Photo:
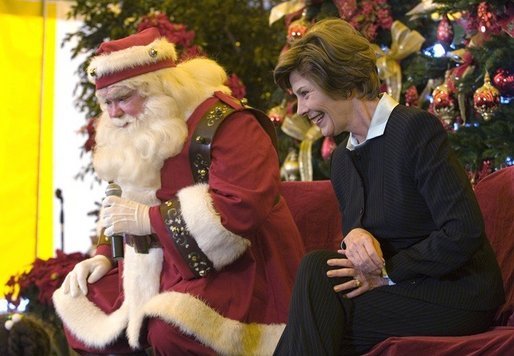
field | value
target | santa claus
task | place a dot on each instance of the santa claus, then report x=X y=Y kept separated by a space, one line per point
x=210 y=247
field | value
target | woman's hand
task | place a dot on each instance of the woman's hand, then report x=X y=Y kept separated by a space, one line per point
x=360 y=283
x=364 y=251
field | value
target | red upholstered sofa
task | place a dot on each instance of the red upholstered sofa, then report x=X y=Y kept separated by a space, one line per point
x=316 y=212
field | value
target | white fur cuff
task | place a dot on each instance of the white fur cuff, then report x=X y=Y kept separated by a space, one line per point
x=221 y=246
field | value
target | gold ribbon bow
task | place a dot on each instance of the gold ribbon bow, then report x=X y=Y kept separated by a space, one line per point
x=466 y=67
x=404 y=43
x=285 y=8
x=300 y=128
x=305 y=155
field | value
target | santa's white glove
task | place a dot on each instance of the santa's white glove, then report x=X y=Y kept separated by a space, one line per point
x=76 y=281
x=121 y=215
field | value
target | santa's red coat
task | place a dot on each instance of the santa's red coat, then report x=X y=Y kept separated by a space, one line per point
x=241 y=307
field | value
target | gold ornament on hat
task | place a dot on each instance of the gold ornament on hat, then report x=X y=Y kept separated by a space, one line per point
x=404 y=43
x=152 y=52
x=486 y=99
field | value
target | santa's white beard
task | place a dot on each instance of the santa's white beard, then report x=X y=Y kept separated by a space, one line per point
x=132 y=156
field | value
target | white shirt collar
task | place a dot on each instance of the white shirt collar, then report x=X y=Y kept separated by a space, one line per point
x=378 y=121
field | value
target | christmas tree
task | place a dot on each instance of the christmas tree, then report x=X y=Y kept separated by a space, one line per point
x=453 y=58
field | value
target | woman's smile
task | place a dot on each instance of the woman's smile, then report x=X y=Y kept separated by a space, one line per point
x=317 y=118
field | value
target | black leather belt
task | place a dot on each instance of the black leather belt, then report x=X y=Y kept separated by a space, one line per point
x=142 y=243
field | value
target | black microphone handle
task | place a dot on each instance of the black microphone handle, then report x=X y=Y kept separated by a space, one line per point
x=117 y=246
x=116 y=240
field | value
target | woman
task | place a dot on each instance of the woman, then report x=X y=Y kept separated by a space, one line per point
x=414 y=259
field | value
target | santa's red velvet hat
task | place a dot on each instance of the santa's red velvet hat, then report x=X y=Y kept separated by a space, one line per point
x=131 y=56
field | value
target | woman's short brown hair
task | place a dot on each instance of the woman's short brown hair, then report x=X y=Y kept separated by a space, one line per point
x=336 y=57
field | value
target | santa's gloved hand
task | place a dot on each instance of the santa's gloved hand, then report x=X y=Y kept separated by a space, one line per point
x=121 y=215
x=76 y=281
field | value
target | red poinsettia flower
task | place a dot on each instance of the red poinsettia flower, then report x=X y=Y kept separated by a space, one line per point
x=174 y=32
x=41 y=281
x=236 y=85
x=89 y=129
x=366 y=16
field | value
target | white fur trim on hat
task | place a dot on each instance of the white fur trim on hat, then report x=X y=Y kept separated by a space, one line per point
x=136 y=57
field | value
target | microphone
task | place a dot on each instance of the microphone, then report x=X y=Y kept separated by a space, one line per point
x=114 y=189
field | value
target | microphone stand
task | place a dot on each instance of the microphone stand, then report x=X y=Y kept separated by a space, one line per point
x=58 y=194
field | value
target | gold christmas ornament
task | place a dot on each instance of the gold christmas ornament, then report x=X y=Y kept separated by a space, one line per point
x=444 y=103
x=290 y=170
x=278 y=113
x=486 y=99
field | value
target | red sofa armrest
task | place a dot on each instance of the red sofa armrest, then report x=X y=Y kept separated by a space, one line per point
x=315 y=210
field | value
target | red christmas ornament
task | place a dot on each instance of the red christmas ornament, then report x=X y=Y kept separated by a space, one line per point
x=411 y=96
x=486 y=99
x=445 y=31
x=297 y=29
x=327 y=147
x=444 y=103
x=487 y=21
x=504 y=81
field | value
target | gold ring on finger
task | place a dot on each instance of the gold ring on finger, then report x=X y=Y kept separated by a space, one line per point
x=357 y=283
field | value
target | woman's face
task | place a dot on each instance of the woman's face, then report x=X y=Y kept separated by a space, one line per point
x=330 y=115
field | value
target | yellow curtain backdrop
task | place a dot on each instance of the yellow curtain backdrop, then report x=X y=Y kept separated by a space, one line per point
x=27 y=48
